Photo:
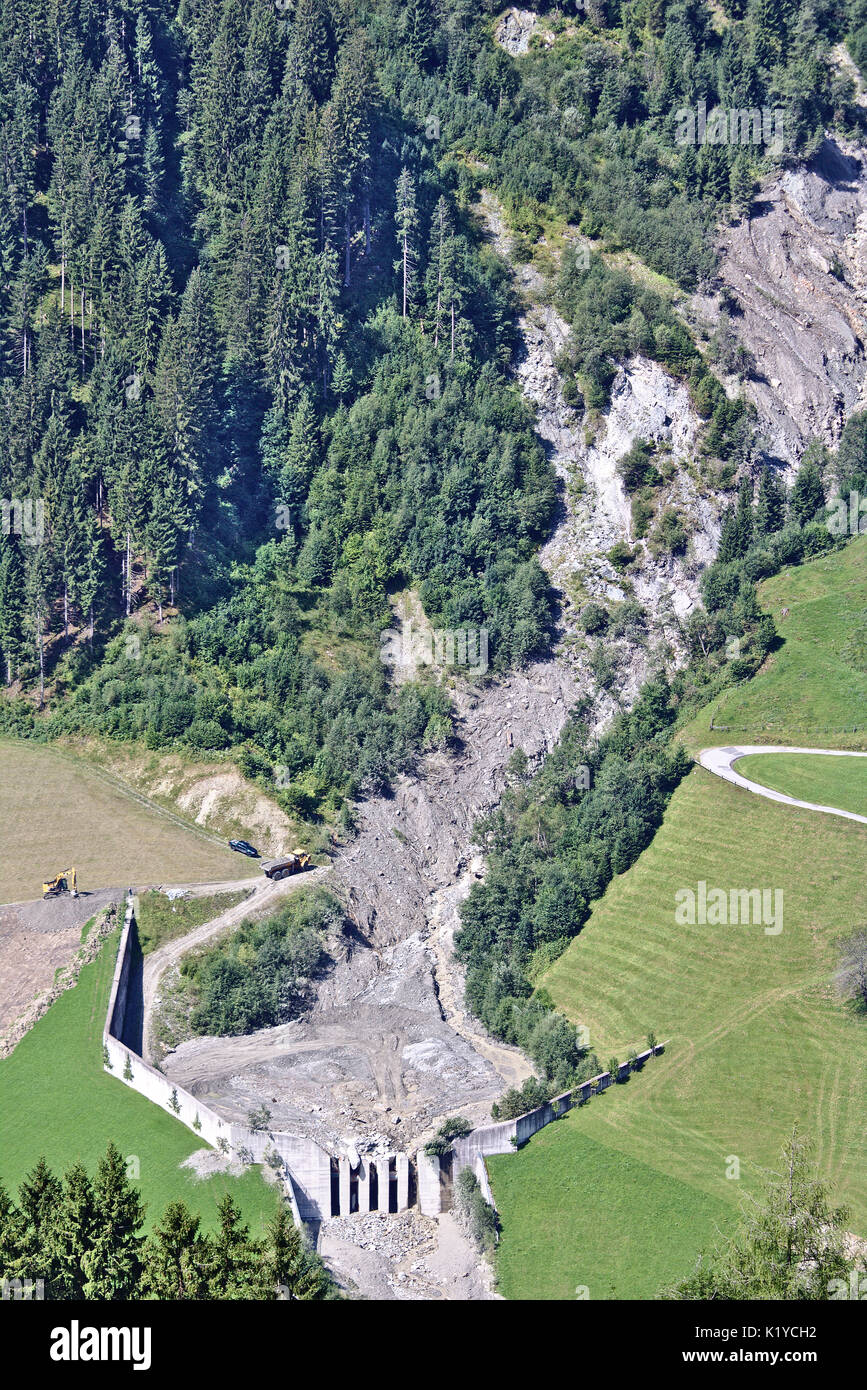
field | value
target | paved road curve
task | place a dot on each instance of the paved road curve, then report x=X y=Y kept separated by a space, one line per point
x=720 y=760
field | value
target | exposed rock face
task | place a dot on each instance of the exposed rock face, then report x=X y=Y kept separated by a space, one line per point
x=515 y=29
x=798 y=267
x=646 y=403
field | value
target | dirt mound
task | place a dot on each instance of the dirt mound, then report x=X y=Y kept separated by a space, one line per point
x=40 y=954
x=226 y=798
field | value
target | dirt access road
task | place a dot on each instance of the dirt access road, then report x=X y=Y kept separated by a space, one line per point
x=264 y=895
x=387 y=1050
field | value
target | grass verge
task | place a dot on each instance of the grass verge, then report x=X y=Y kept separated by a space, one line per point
x=56 y=1100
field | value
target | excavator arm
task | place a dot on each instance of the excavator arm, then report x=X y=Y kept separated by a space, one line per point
x=61 y=883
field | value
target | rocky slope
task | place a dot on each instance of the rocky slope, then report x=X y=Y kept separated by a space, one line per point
x=797 y=268
x=388 y=1049
x=646 y=403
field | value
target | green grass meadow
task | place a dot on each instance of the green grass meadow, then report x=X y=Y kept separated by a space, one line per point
x=812 y=690
x=610 y=1210
x=840 y=782
x=622 y=1195
x=56 y=1100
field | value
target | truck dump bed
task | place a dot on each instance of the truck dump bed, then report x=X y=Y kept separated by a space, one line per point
x=286 y=865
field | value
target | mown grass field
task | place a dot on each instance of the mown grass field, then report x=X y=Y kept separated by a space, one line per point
x=56 y=811
x=812 y=690
x=759 y=1037
x=610 y=1210
x=759 y=1040
x=56 y=1100
x=825 y=781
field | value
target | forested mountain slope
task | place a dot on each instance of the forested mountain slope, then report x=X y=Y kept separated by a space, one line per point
x=254 y=370
x=227 y=399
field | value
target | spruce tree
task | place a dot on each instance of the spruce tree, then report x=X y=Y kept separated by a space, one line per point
x=771 y=504
x=236 y=1268
x=36 y=1225
x=807 y=499
x=293 y=1266
x=406 y=225
x=76 y=1228
x=112 y=1267
x=175 y=1257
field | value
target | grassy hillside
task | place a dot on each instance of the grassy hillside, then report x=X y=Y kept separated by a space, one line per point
x=838 y=782
x=609 y=1213
x=56 y=1100
x=759 y=1036
x=759 y=1040
x=113 y=837
x=813 y=689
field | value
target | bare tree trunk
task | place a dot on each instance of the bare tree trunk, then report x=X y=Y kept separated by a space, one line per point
x=346 y=272
x=128 y=573
x=41 y=660
x=65 y=611
x=404 y=275
x=453 y=332
x=367 y=226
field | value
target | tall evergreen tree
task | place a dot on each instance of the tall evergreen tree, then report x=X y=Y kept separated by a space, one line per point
x=175 y=1257
x=807 y=498
x=236 y=1268
x=771 y=504
x=112 y=1267
x=406 y=225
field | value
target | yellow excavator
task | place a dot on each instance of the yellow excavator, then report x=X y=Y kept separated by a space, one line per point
x=63 y=883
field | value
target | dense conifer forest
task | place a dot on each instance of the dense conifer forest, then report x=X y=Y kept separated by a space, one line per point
x=254 y=353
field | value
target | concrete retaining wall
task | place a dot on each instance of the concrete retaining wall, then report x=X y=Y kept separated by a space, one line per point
x=508 y=1136
x=481 y=1171
x=307 y=1168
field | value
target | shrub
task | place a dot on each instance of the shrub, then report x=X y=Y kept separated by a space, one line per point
x=594 y=618
x=621 y=555
x=441 y=1144
x=478 y=1215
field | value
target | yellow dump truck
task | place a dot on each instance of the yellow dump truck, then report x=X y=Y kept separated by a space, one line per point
x=289 y=864
x=62 y=883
